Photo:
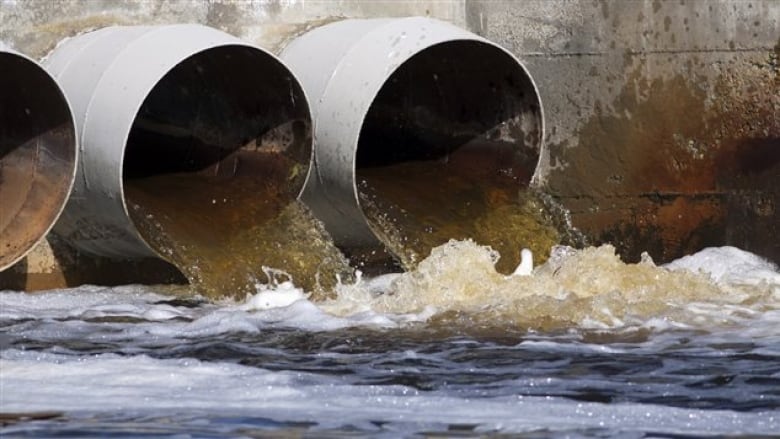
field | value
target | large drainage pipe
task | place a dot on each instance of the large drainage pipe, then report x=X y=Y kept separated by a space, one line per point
x=178 y=101
x=418 y=125
x=38 y=154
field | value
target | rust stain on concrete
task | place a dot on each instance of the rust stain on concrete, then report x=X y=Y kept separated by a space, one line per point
x=676 y=164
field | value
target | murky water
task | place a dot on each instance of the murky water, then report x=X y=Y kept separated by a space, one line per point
x=221 y=232
x=586 y=346
x=415 y=206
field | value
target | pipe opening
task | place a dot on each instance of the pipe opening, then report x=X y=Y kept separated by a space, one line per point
x=219 y=149
x=449 y=146
x=37 y=155
x=228 y=112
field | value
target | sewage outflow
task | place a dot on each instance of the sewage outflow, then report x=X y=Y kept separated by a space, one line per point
x=226 y=237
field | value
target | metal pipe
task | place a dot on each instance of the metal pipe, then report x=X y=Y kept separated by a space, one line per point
x=387 y=91
x=172 y=100
x=38 y=154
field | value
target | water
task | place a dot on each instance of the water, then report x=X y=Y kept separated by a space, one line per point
x=220 y=232
x=584 y=347
x=415 y=206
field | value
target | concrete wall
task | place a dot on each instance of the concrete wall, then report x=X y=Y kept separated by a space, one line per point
x=663 y=116
x=35 y=26
x=663 y=125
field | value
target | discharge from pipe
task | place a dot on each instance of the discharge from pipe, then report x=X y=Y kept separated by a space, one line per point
x=424 y=132
x=195 y=147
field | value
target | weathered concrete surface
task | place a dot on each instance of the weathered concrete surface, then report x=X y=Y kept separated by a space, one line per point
x=662 y=119
x=36 y=26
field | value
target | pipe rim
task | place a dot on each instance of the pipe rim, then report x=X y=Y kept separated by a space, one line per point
x=480 y=40
x=123 y=49
x=342 y=195
x=137 y=109
x=70 y=176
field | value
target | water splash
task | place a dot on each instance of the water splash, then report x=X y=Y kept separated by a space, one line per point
x=446 y=205
x=588 y=288
x=221 y=233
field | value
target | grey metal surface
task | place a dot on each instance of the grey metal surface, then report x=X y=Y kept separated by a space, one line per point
x=108 y=74
x=342 y=67
x=38 y=154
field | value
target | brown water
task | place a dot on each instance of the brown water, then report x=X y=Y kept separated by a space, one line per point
x=588 y=288
x=222 y=232
x=415 y=206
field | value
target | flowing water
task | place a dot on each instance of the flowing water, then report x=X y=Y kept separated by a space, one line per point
x=221 y=232
x=586 y=346
x=415 y=206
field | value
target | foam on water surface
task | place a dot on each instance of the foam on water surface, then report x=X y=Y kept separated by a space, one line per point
x=729 y=266
x=584 y=344
x=144 y=386
x=458 y=284
x=589 y=288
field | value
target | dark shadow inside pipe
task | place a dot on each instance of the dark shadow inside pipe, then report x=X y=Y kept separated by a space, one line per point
x=37 y=154
x=454 y=133
x=230 y=120
x=443 y=100
x=227 y=111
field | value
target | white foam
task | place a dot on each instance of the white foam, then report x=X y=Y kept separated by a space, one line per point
x=381 y=284
x=87 y=301
x=729 y=266
x=109 y=383
x=38 y=381
x=463 y=278
x=68 y=313
x=283 y=295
